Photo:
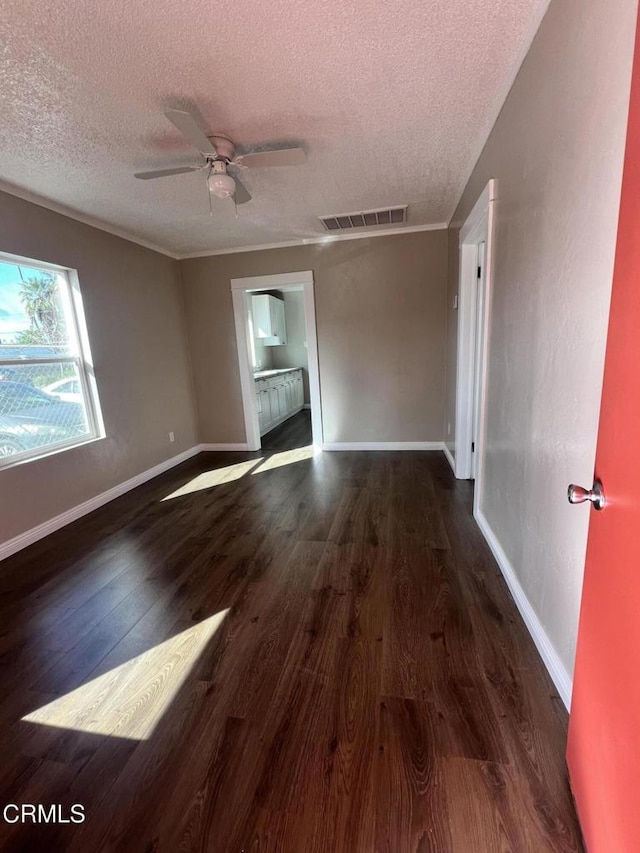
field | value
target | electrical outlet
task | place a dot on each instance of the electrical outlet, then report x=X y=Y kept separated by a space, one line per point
x=172 y=437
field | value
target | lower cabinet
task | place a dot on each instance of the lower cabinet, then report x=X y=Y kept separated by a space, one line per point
x=278 y=398
x=264 y=410
x=283 y=400
x=274 y=406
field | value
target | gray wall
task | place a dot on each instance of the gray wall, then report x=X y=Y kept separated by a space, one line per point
x=135 y=318
x=264 y=355
x=380 y=306
x=294 y=353
x=557 y=151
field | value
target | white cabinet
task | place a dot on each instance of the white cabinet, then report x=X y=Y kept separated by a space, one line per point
x=275 y=405
x=283 y=399
x=268 y=320
x=296 y=390
x=264 y=410
x=278 y=398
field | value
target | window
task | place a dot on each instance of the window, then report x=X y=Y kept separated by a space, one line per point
x=48 y=399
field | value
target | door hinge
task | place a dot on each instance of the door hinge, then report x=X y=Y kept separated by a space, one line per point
x=473 y=447
x=479 y=272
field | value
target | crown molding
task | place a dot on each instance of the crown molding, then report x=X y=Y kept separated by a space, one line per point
x=48 y=204
x=85 y=219
x=310 y=241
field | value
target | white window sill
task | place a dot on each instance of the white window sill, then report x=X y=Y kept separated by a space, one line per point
x=11 y=462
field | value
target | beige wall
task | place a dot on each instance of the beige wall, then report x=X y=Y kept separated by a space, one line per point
x=557 y=152
x=380 y=306
x=135 y=317
x=294 y=353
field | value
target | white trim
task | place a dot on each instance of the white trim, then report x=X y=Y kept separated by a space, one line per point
x=479 y=227
x=93 y=222
x=79 y=356
x=241 y=289
x=313 y=364
x=32 y=264
x=27 y=538
x=449 y=456
x=475 y=221
x=311 y=241
x=549 y=655
x=241 y=308
x=485 y=331
x=383 y=445
x=85 y=219
x=50 y=359
x=272 y=282
x=206 y=448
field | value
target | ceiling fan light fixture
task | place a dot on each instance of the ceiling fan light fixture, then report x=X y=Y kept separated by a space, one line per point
x=221 y=184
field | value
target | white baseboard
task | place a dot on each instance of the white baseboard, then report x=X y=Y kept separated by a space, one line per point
x=554 y=665
x=206 y=448
x=21 y=541
x=449 y=456
x=383 y=445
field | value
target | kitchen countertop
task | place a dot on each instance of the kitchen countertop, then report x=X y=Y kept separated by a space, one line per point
x=265 y=374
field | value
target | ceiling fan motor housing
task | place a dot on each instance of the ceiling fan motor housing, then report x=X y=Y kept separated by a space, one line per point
x=224 y=146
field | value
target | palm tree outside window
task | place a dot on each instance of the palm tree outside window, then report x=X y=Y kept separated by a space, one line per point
x=48 y=394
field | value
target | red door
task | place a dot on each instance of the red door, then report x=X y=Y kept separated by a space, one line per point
x=604 y=727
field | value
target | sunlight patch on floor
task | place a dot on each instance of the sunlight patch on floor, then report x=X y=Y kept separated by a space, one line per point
x=130 y=700
x=287 y=457
x=217 y=477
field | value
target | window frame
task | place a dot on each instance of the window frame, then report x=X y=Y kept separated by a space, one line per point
x=82 y=360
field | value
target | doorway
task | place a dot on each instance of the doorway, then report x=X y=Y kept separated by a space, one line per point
x=473 y=332
x=278 y=399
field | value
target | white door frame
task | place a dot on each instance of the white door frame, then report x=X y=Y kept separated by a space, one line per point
x=241 y=288
x=478 y=228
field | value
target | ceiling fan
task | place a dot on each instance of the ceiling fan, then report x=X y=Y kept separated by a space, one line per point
x=220 y=157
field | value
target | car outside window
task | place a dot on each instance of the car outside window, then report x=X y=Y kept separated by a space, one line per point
x=48 y=395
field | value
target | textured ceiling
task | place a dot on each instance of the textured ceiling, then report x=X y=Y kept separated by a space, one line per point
x=392 y=100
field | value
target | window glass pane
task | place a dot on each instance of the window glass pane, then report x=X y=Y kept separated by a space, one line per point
x=34 y=313
x=32 y=414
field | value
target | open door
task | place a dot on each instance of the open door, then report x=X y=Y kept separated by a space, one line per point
x=604 y=727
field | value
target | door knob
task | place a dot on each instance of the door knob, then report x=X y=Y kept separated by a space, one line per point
x=578 y=495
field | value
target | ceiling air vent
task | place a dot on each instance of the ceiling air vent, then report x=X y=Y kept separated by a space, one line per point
x=365 y=218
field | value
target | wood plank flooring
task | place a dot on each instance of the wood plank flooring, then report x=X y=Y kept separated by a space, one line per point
x=278 y=652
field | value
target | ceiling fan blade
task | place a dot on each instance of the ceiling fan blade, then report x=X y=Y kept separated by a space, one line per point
x=163 y=173
x=189 y=127
x=278 y=157
x=242 y=194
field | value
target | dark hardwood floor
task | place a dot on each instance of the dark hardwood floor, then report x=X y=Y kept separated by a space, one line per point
x=295 y=432
x=278 y=652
